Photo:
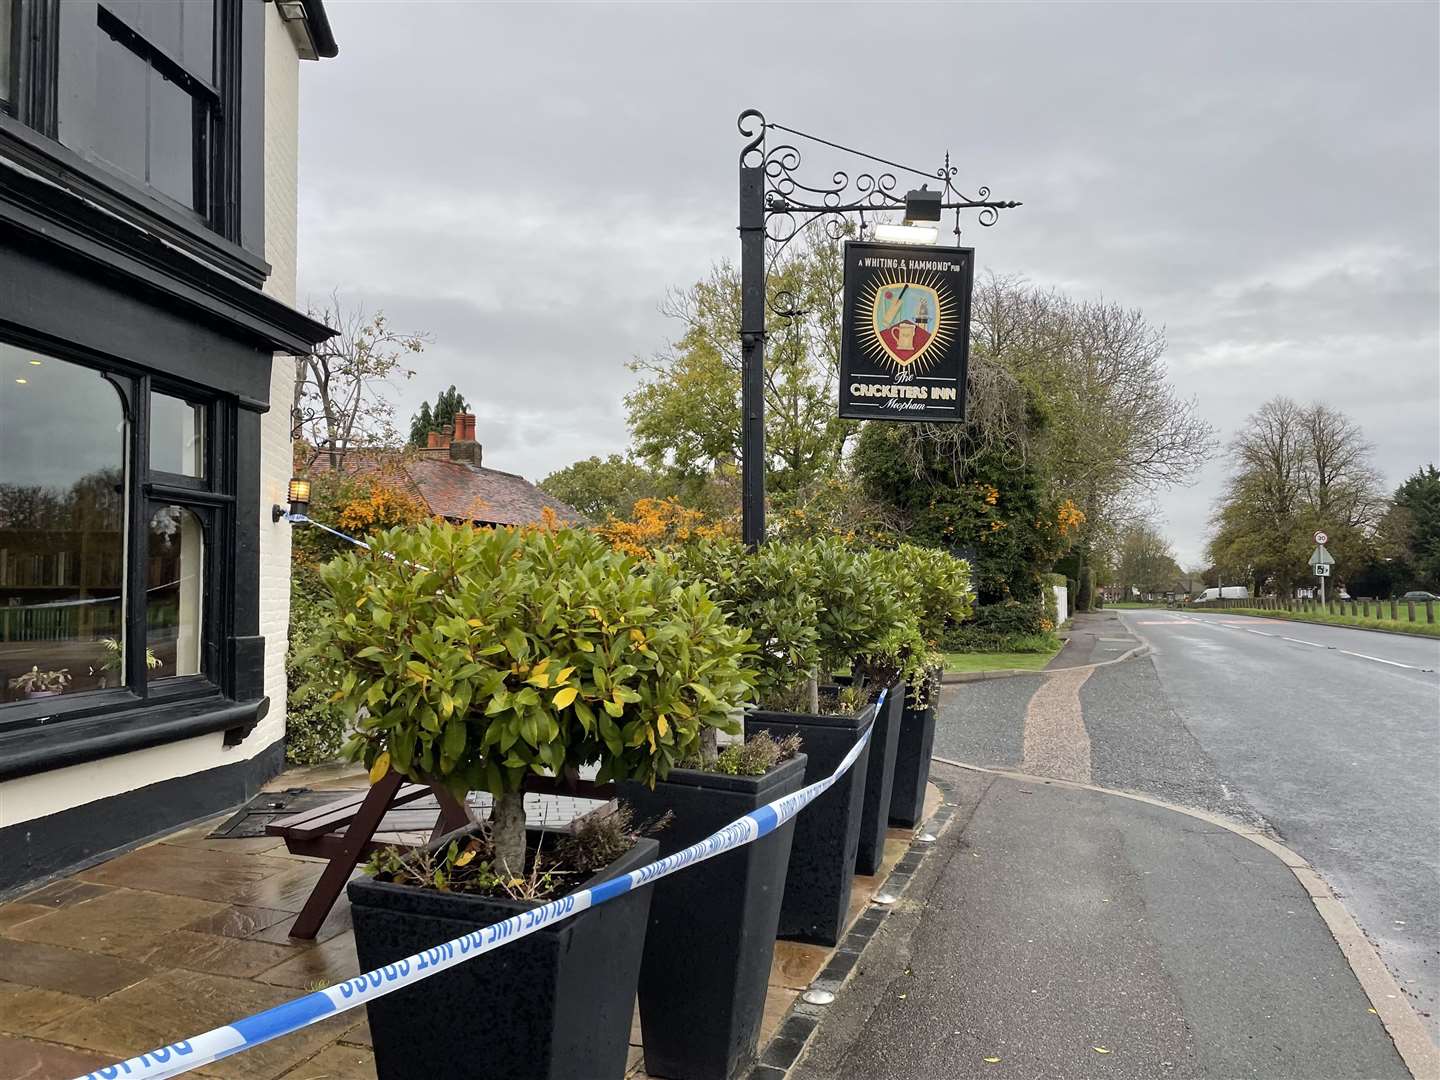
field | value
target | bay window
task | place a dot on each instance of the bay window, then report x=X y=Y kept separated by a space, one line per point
x=113 y=518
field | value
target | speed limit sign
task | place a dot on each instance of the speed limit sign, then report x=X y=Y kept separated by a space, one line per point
x=1320 y=538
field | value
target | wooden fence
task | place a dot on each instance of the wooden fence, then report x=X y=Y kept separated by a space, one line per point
x=1391 y=610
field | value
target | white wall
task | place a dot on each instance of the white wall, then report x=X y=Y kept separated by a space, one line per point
x=45 y=793
x=282 y=137
x=1062 y=603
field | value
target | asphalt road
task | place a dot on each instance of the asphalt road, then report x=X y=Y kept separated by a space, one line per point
x=1328 y=736
x=1333 y=736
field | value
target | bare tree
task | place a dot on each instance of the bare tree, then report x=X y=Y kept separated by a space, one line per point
x=1114 y=429
x=1296 y=469
x=344 y=390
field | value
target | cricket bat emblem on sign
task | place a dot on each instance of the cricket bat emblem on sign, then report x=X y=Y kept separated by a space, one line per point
x=905 y=341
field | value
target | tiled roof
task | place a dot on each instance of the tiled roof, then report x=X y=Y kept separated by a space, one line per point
x=460 y=491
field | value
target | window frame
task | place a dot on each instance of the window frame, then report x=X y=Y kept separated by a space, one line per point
x=230 y=234
x=212 y=499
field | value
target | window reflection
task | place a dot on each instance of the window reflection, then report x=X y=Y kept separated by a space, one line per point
x=62 y=523
x=174 y=593
x=177 y=435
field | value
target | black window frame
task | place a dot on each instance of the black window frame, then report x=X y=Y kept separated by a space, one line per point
x=213 y=499
x=228 y=231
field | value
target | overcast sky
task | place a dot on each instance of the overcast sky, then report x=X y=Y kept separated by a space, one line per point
x=524 y=182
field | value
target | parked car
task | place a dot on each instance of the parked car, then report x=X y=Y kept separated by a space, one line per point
x=1420 y=596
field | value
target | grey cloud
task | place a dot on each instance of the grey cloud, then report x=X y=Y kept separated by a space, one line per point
x=1261 y=179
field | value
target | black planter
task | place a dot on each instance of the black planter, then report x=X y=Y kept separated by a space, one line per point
x=912 y=762
x=879 y=780
x=556 y=1005
x=827 y=832
x=712 y=926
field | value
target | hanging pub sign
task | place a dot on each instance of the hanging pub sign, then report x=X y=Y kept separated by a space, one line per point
x=905 y=340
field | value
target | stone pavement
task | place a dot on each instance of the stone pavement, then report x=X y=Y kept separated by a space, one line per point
x=1068 y=933
x=191 y=932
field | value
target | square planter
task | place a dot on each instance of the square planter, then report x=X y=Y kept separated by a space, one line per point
x=912 y=760
x=827 y=832
x=712 y=928
x=556 y=1005
x=879 y=780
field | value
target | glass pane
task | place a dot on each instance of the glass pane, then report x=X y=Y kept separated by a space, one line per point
x=62 y=527
x=174 y=599
x=198 y=28
x=172 y=140
x=7 y=11
x=120 y=106
x=177 y=435
x=160 y=23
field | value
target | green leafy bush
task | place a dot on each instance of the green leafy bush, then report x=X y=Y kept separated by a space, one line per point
x=770 y=592
x=866 y=602
x=315 y=727
x=475 y=657
x=1000 y=628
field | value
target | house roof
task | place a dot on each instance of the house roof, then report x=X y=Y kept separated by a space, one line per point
x=464 y=492
x=457 y=490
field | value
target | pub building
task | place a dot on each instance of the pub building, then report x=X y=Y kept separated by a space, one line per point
x=147 y=324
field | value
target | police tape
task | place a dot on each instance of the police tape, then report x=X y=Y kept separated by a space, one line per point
x=291 y=1016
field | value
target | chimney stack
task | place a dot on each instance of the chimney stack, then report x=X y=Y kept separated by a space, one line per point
x=463 y=446
x=433 y=442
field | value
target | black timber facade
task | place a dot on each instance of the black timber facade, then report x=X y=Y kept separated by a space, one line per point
x=132 y=141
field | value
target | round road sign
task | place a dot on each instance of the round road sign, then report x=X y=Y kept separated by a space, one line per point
x=1320 y=538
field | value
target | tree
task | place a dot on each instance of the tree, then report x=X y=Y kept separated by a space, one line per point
x=343 y=390
x=1144 y=561
x=1294 y=470
x=987 y=503
x=440 y=417
x=1115 y=428
x=685 y=414
x=602 y=489
x=1419 y=497
x=1407 y=540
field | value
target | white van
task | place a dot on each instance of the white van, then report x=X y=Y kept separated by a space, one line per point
x=1229 y=592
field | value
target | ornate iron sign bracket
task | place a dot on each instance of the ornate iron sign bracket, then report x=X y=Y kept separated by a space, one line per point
x=775 y=207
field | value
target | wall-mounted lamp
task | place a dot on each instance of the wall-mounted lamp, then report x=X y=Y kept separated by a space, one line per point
x=298 y=493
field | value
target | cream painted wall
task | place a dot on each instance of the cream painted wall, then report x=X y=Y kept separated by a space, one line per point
x=36 y=796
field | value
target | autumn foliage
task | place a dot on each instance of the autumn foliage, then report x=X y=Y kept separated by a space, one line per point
x=657 y=523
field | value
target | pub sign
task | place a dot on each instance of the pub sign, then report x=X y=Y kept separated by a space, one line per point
x=905 y=339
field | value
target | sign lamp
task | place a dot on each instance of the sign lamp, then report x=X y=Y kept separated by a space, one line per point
x=922 y=210
x=298 y=493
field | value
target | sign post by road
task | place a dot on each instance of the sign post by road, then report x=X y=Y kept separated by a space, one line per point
x=917 y=336
x=1321 y=561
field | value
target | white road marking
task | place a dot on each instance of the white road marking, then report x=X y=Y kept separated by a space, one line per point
x=1297 y=641
x=1382 y=660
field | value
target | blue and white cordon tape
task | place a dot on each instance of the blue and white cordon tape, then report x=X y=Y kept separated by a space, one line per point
x=201 y=1050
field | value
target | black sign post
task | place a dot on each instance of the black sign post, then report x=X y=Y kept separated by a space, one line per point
x=775 y=206
x=905 y=337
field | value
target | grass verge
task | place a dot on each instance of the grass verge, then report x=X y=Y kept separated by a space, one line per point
x=1324 y=618
x=967 y=662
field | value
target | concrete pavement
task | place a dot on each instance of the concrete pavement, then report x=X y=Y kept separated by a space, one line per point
x=1061 y=932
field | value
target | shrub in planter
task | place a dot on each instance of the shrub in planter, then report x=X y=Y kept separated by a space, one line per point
x=711 y=938
x=472 y=658
x=942 y=598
